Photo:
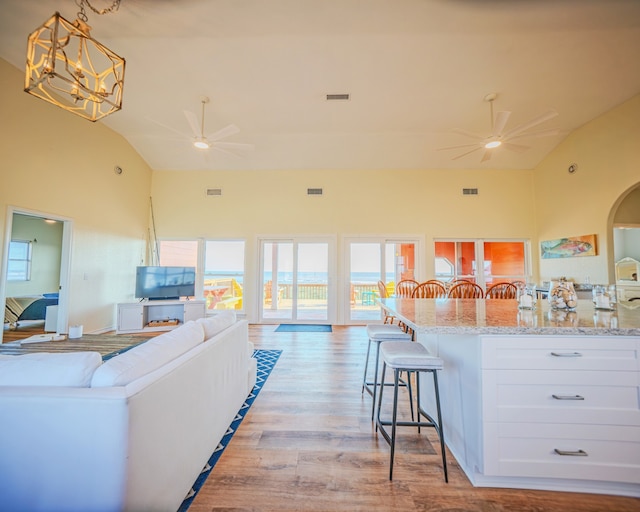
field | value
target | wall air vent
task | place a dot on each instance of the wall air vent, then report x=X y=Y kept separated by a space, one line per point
x=334 y=97
x=314 y=191
x=214 y=191
x=469 y=191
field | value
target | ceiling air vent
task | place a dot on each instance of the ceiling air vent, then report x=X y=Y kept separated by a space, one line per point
x=469 y=191
x=333 y=97
x=314 y=191
x=214 y=191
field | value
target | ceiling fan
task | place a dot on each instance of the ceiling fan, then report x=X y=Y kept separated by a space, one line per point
x=210 y=141
x=501 y=138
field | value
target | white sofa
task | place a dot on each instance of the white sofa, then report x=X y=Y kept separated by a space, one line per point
x=132 y=433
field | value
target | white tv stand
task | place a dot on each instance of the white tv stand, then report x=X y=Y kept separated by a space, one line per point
x=157 y=315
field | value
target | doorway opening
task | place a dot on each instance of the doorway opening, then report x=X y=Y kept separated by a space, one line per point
x=35 y=278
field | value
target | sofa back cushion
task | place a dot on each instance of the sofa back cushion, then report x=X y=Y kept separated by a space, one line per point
x=217 y=323
x=149 y=356
x=73 y=369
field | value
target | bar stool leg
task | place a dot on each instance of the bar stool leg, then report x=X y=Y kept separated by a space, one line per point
x=366 y=366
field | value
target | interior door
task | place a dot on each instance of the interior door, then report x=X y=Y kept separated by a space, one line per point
x=295 y=281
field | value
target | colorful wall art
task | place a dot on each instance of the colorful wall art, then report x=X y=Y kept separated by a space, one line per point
x=569 y=247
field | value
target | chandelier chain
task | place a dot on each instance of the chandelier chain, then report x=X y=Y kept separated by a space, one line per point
x=83 y=15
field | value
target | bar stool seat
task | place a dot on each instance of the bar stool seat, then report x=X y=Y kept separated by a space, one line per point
x=412 y=357
x=377 y=334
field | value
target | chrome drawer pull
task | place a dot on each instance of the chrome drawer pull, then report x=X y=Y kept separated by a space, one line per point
x=568 y=397
x=566 y=354
x=576 y=453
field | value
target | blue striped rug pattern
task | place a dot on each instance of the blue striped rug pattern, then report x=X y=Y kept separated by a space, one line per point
x=266 y=360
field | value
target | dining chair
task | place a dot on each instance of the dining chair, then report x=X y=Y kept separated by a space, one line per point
x=466 y=290
x=384 y=294
x=429 y=290
x=405 y=288
x=502 y=291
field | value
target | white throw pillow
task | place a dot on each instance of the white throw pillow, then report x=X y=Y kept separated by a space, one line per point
x=217 y=323
x=72 y=369
x=147 y=357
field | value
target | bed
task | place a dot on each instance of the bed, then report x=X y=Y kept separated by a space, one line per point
x=33 y=307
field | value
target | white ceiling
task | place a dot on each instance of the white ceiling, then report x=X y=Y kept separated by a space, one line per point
x=415 y=70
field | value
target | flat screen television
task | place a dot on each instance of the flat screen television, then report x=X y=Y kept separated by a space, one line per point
x=156 y=283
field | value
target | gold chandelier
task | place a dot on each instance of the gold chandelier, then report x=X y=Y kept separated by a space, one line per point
x=67 y=67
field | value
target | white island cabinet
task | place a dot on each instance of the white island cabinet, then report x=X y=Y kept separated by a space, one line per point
x=536 y=400
x=157 y=315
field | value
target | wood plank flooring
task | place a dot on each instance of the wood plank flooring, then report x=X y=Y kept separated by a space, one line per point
x=308 y=444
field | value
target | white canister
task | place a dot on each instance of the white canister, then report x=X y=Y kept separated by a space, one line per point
x=75 y=331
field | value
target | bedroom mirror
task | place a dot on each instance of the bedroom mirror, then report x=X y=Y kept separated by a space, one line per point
x=35 y=257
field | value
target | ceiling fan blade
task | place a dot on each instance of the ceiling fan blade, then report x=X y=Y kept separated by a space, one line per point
x=193 y=122
x=227 y=131
x=458 y=147
x=467 y=153
x=500 y=122
x=171 y=129
x=549 y=114
x=515 y=147
x=239 y=146
x=468 y=134
x=487 y=155
x=543 y=133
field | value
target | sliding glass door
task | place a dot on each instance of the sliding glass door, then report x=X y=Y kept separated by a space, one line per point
x=295 y=281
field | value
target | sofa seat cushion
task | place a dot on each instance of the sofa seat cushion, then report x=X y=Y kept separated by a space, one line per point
x=149 y=356
x=73 y=369
x=217 y=323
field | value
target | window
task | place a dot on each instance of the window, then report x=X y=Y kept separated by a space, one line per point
x=221 y=273
x=19 y=263
x=224 y=274
x=482 y=261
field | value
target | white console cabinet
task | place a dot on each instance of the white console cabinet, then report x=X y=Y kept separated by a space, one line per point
x=137 y=316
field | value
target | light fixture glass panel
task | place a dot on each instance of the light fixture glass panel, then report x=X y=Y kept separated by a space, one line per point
x=67 y=67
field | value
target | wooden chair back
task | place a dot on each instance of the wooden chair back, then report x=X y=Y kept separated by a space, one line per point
x=466 y=290
x=502 y=291
x=429 y=290
x=405 y=288
x=382 y=289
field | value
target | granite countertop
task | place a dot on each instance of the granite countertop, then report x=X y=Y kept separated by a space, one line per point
x=497 y=316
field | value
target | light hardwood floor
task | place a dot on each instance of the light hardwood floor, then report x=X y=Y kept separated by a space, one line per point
x=308 y=444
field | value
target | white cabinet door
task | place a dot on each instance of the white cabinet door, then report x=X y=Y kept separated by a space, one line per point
x=130 y=317
x=194 y=310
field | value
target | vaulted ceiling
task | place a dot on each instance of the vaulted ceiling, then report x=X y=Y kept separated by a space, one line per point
x=415 y=70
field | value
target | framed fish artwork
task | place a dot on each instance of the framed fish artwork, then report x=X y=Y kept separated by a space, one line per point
x=569 y=247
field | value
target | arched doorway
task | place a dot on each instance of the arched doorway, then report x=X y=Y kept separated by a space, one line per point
x=624 y=229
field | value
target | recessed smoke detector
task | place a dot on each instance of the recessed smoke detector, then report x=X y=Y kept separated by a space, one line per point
x=338 y=97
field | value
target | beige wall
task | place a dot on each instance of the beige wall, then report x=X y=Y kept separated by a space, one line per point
x=54 y=162
x=429 y=204
x=607 y=152
x=57 y=163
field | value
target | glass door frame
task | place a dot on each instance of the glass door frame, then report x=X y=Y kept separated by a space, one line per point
x=345 y=293
x=331 y=273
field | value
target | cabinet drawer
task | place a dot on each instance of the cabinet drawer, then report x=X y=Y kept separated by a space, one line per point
x=548 y=396
x=561 y=353
x=563 y=451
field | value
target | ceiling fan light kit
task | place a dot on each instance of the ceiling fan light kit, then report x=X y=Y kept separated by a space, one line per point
x=70 y=69
x=500 y=138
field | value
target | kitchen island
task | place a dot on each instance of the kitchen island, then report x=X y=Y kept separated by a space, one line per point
x=535 y=399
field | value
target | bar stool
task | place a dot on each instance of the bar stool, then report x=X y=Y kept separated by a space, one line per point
x=378 y=333
x=412 y=357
